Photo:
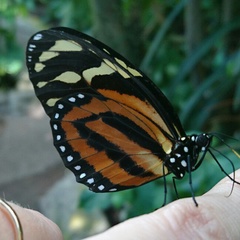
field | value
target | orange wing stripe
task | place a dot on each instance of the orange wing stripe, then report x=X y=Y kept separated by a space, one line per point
x=135 y=103
x=116 y=137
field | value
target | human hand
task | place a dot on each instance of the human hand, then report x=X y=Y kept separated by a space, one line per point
x=216 y=217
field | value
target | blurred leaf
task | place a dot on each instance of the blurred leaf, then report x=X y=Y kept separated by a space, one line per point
x=202 y=50
x=161 y=34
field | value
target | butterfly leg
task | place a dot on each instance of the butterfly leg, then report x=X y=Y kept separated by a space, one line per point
x=165 y=187
x=190 y=179
x=175 y=187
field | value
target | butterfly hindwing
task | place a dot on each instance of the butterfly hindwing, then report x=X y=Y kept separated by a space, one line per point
x=105 y=145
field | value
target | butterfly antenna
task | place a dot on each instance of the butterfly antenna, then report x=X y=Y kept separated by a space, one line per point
x=222 y=169
x=221 y=135
x=217 y=135
x=230 y=161
x=235 y=152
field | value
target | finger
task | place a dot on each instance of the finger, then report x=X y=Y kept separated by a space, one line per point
x=34 y=225
x=216 y=217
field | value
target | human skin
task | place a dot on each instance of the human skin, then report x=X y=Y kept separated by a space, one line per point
x=216 y=217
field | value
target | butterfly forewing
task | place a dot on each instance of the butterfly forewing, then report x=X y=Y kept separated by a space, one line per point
x=111 y=125
x=62 y=61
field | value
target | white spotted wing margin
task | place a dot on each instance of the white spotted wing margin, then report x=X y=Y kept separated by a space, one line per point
x=101 y=156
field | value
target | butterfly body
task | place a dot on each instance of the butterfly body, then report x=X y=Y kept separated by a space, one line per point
x=113 y=128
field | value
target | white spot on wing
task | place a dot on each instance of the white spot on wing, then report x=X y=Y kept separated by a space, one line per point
x=72 y=99
x=62 y=148
x=78 y=167
x=112 y=190
x=185 y=149
x=90 y=180
x=101 y=187
x=81 y=96
x=70 y=158
x=37 y=37
x=56 y=116
x=82 y=175
x=60 y=106
x=29 y=58
x=58 y=137
x=183 y=163
x=31 y=47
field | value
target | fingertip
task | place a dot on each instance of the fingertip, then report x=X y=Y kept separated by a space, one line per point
x=36 y=226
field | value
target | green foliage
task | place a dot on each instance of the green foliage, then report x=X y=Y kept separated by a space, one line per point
x=11 y=55
x=10 y=61
x=72 y=13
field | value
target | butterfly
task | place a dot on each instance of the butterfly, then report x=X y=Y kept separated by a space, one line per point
x=113 y=128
